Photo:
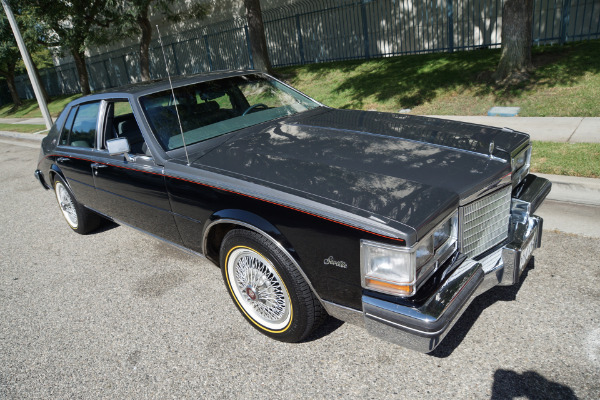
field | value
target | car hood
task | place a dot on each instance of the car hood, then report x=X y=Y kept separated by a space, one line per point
x=409 y=169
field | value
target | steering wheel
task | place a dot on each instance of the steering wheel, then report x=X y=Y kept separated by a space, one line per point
x=254 y=106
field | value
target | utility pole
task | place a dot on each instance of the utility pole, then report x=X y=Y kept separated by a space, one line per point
x=29 y=64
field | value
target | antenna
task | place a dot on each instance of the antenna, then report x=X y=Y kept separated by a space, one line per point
x=173 y=94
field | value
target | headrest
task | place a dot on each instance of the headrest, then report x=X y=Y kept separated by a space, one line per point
x=207 y=107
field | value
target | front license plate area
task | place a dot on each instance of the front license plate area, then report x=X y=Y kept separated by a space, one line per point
x=527 y=249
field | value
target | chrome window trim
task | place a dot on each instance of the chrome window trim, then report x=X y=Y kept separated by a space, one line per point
x=289 y=87
x=100 y=123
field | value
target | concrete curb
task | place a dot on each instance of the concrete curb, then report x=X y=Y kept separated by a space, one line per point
x=574 y=189
x=35 y=137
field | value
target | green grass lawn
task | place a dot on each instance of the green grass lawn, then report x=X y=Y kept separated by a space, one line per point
x=30 y=108
x=22 y=128
x=575 y=159
x=565 y=83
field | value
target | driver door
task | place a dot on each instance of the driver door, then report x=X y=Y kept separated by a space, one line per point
x=132 y=191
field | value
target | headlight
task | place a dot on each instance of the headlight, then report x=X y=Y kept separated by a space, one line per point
x=447 y=230
x=387 y=269
x=424 y=251
x=398 y=270
x=521 y=159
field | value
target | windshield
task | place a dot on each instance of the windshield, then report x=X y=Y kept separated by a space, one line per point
x=214 y=108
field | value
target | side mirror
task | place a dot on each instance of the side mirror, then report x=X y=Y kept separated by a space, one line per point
x=117 y=146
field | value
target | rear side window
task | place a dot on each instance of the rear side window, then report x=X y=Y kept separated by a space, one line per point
x=64 y=136
x=80 y=128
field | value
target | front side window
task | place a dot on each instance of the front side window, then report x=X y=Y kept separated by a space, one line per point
x=80 y=128
x=121 y=123
x=207 y=110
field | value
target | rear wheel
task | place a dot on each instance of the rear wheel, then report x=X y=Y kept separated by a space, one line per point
x=79 y=218
x=267 y=288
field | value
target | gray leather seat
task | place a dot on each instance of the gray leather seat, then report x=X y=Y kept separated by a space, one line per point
x=129 y=129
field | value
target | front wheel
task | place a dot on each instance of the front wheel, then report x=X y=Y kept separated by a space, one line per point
x=267 y=288
x=79 y=218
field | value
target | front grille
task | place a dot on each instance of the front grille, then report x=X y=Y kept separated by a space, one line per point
x=484 y=222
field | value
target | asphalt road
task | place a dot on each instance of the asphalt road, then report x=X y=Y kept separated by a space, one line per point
x=117 y=315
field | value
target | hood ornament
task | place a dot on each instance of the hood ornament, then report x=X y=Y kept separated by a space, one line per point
x=491 y=149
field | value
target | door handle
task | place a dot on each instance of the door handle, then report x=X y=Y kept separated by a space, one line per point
x=62 y=159
x=96 y=167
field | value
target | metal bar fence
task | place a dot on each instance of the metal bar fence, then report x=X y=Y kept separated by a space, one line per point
x=313 y=31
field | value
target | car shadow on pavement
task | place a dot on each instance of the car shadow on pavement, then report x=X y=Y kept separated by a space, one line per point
x=328 y=326
x=459 y=331
x=530 y=385
x=105 y=226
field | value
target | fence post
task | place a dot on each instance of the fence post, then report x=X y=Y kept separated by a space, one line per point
x=107 y=73
x=126 y=68
x=175 y=59
x=566 y=14
x=249 y=46
x=300 y=45
x=363 y=12
x=210 y=66
x=450 y=26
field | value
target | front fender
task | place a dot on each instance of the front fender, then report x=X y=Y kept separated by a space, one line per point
x=55 y=170
x=248 y=220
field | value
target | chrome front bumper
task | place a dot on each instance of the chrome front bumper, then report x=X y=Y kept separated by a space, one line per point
x=423 y=328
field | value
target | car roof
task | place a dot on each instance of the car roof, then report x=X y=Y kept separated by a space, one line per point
x=142 y=88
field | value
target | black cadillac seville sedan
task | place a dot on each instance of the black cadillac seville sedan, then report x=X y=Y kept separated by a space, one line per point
x=392 y=222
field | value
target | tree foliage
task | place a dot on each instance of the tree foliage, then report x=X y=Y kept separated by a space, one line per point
x=10 y=55
x=137 y=21
x=75 y=24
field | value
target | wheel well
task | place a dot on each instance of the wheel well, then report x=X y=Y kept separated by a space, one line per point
x=51 y=175
x=215 y=238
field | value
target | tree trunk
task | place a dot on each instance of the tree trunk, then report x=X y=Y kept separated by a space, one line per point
x=515 y=59
x=36 y=71
x=256 y=30
x=12 y=87
x=146 y=29
x=82 y=72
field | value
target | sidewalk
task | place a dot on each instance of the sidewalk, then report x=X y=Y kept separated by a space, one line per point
x=549 y=129
x=34 y=121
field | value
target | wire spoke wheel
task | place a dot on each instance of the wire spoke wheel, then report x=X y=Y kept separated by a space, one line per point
x=79 y=218
x=258 y=288
x=267 y=286
x=67 y=205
